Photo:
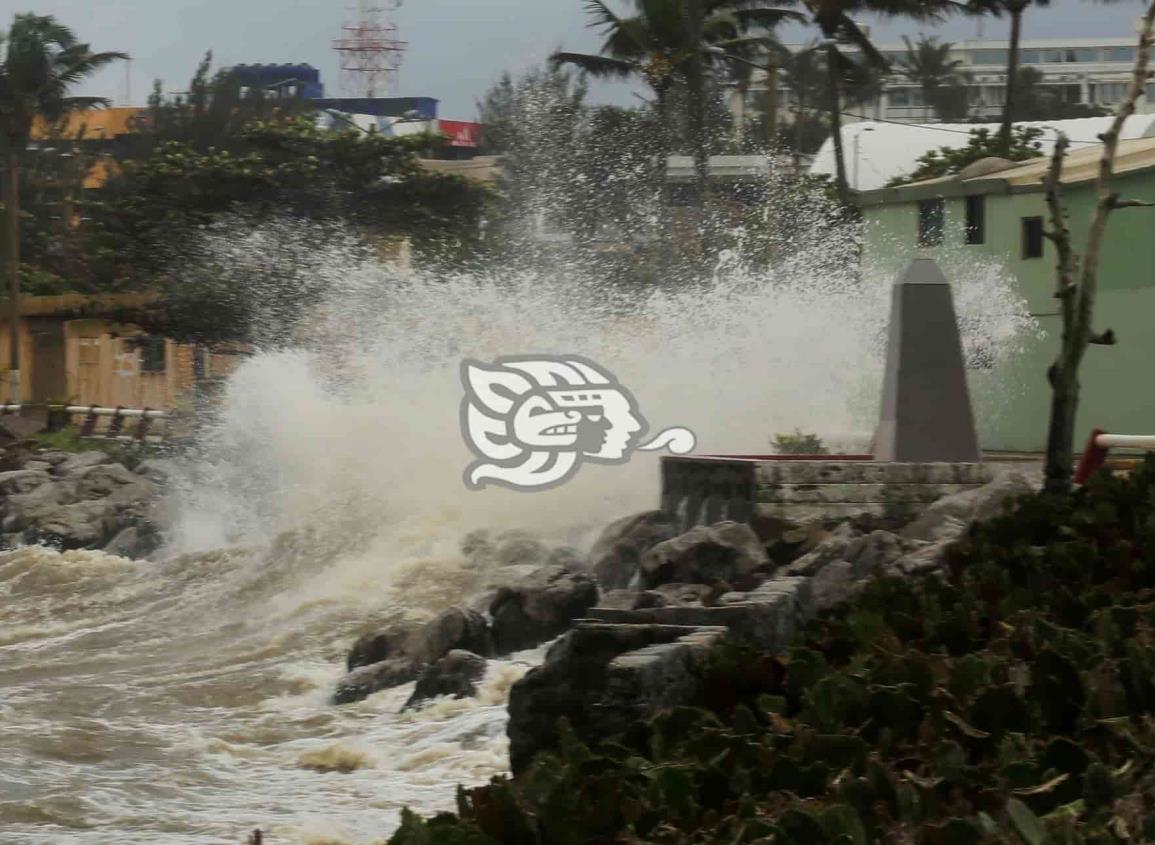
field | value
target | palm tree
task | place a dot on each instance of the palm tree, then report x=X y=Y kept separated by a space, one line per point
x=42 y=60
x=671 y=42
x=943 y=82
x=1015 y=10
x=835 y=20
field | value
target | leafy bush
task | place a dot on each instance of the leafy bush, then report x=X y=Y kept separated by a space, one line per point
x=1010 y=700
x=982 y=143
x=799 y=443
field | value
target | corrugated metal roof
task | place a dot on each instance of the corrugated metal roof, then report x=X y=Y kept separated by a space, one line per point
x=1135 y=154
x=877 y=153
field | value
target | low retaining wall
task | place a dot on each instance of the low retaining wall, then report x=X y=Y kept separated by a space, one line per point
x=703 y=490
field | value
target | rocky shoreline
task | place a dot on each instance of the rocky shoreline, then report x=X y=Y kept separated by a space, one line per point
x=635 y=619
x=82 y=500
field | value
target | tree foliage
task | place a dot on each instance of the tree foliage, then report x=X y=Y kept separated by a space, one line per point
x=942 y=80
x=982 y=143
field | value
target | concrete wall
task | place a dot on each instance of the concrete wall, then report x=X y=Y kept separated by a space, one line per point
x=1012 y=403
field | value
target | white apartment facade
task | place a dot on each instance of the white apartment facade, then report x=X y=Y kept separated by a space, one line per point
x=1090 y=71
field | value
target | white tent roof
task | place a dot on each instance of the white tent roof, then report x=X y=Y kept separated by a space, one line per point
x=888 y=150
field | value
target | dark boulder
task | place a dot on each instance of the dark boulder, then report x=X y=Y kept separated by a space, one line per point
x=376 y=646
x=725 y=551
x=539 y=608
x=617 y=554
x=366 y=680
x=456 y=674
x=454 y=628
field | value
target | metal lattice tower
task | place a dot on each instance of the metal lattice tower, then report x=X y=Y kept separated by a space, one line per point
x=371 y=52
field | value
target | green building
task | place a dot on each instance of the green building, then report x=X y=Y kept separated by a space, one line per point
x=994 y=211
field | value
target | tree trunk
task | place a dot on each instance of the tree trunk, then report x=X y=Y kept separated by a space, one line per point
x=1012 y=81
x=12 y=267
x=772 y=105
x=666 y=195
x=696 y=78
x=835 y=94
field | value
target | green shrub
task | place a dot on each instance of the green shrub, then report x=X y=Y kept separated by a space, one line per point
x=799 y=443
x=1009 y=700
x=68 y=439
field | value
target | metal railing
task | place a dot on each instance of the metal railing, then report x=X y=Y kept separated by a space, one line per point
x=1100 y=443
x=58 y=416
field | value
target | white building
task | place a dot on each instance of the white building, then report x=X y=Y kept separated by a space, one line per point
x=876 y=153
x=1089 y=71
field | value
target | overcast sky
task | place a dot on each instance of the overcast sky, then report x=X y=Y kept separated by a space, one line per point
x=457 y=47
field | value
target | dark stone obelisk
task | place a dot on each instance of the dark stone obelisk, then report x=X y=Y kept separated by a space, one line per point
x=926 y=407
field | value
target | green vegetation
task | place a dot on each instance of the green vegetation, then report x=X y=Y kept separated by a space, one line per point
x=799 y=443
x=68 y=439
x=948 y=161
x=1010 y=700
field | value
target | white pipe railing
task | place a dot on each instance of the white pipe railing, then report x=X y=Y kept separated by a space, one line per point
x=1125 y=441
x=91 y=413
x=1100 y=442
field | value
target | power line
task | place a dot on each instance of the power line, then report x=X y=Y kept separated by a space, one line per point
x=938 y=128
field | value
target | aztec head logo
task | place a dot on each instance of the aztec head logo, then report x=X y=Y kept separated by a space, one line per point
x=531 y=421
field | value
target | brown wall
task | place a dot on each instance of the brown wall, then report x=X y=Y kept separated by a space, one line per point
x=93 y=361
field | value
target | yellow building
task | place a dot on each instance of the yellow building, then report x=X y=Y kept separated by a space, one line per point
x=75 y=350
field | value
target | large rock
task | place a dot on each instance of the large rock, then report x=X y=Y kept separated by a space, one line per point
x=23 y=481
x=454 y=628
x=366 y=680
x=399 y=653
x=80 y=461
x=539 y=608
x=80 y=525
x=950 y=516
x=112 y=482
x=617 y=554
x=725 y=551
x=455 y=674
x=375 y=646
x=603 y=678
x=833 y=548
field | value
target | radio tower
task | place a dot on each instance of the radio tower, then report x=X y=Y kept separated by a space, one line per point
x=371 y=53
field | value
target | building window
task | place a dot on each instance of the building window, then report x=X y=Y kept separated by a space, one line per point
x=1052 y=57
x=1119 y=54
x=976 y=232
x=1151 y=92
x=1083 y=54
x=152 y=354
x=1029 y=57
x=989 y=57
x=931 y=215
x=1032 y=237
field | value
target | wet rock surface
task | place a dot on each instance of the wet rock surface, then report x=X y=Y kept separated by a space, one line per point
x=539 y=608
x=631 y=655
x=705 y=554
x=84 y=500
x=456 y=674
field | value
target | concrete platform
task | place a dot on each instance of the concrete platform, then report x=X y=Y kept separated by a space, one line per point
x=710 y=488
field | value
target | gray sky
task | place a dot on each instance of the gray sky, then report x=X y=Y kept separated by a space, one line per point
x=457 y=47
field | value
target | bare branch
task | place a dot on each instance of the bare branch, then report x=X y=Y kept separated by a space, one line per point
x=1108 y=199
x=1132 y=204
x=1060 y=232
x=1107 y=338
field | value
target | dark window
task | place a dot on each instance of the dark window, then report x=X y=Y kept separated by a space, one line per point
x=930 y=222
x=976 y=220
x=152 y=354
x=1032 y=237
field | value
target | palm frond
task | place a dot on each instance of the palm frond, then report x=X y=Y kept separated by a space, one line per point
x=599 y=66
